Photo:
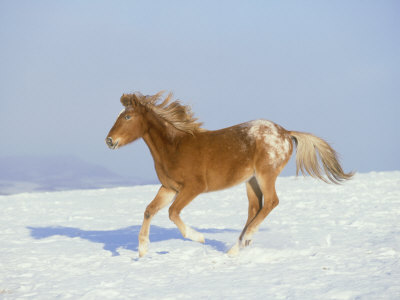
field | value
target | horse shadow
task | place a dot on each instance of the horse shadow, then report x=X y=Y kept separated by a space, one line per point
x=126 y=238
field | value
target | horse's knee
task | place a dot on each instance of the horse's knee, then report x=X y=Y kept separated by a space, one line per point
x=149 y=212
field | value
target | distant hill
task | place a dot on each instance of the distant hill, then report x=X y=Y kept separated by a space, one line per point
x=50 y=173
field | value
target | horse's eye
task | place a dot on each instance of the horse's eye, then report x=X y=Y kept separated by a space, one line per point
x=127 y=117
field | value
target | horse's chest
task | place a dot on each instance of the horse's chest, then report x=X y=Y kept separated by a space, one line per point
x=166 y=178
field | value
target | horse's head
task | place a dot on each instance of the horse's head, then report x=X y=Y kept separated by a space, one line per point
x=129 y=125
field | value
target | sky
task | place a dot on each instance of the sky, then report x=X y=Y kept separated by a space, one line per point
x=331 y=68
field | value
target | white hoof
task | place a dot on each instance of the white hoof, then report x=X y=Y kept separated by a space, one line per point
x=234 y=250
x=143 y=247
x=244 y=243
x=194 y=235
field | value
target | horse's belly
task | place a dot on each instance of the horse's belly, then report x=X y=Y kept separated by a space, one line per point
x=221 y=177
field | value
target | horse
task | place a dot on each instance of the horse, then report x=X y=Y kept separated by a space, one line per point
x=190 y=160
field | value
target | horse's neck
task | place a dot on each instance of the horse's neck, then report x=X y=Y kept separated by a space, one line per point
x=159 y=141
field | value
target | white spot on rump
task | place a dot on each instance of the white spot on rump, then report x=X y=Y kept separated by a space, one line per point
x=258 y=127
x=272 y=155
x=286 y=146
x=268 y=133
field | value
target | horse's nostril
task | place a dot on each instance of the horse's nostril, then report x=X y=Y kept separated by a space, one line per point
x=109 y=141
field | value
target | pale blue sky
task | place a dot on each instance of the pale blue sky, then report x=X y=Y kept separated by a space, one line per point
x=327 y=67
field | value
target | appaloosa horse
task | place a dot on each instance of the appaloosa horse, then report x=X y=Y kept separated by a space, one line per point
x=190 y=160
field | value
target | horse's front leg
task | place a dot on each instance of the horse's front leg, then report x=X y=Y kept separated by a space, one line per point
x=183 y=198
x=163 y=198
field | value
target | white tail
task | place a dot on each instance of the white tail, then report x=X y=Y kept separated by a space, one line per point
x=308 y=146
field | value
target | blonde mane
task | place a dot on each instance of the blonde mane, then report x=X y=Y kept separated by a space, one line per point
x=178 y=115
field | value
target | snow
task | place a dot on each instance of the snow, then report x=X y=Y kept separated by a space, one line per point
x=321 y=242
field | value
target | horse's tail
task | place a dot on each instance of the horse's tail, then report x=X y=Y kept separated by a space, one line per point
x=307 y=161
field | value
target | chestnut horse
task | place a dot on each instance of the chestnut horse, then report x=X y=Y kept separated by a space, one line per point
x=190 y=160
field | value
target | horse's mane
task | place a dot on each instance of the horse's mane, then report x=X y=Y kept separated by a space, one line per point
x=178 y=115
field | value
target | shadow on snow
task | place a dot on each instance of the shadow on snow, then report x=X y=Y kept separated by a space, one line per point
x=126 y=238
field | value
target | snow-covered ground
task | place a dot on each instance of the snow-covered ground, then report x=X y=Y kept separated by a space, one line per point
x=322 y=242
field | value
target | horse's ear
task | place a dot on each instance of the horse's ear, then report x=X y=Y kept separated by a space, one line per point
x=126 y=100
x=135 y=100
x=129 y=100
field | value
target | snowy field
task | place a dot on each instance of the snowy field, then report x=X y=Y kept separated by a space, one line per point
x=322 y=242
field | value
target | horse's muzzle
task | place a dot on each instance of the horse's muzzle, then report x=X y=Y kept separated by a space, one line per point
x=110 y=144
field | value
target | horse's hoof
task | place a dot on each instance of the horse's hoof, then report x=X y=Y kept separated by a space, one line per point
x=202 y=240
x=247 y=243
x=143 y=249
x=234 y=250
x=194 y=235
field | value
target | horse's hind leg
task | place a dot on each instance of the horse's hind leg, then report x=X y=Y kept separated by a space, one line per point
x=270 y=202
x=267 y=184
x=254 y=195
x=163 y=198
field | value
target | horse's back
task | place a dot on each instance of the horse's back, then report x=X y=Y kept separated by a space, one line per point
x=237 y=152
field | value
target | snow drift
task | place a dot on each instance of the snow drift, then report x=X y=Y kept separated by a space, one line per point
x=322 y=242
